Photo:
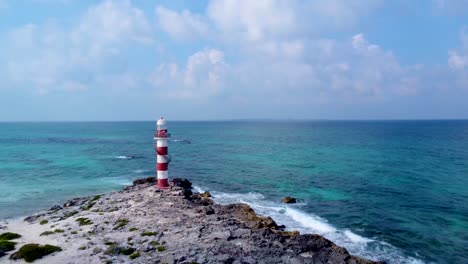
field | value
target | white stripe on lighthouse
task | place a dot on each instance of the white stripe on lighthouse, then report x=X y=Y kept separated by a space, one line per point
x=163 y=175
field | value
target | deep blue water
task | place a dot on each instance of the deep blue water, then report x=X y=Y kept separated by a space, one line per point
x=387 y=190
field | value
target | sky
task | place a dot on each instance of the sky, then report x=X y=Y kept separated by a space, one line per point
x=83 y=60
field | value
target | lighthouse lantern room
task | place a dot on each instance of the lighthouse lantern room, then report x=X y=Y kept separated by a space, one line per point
x=162 y=152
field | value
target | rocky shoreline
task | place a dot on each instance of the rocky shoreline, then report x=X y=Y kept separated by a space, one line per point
x=142 y=224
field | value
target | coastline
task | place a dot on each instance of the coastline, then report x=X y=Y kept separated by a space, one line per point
x=174 y=226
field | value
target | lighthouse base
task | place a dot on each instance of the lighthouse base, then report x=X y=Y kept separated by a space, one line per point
x=163 y=184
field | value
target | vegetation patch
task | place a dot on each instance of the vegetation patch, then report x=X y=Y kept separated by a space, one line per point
x=59 y=231
x=135 y=255
x=88 y=206
x=84 y=221
x=149 y=234
x=115 y=250
x=127 y=251
x=120 y=223
x=82 y=248
x=95 y=198
x=9 y=236
x=133 y=229
x=161 y=248
x=46 y=233
x=69 y=214
x=6 y=246
x=43 y=222
x=74 y=232
x=155 y=243
x=31 y=252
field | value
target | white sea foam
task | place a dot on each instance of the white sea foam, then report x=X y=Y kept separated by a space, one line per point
x=117 y=180
x=139 y=171
x=123 y=157
x=295 y=219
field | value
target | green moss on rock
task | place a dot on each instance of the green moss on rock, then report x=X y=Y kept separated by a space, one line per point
x=32 y=252
x=95 y=198
x=84 y=221
x=161 y=248
x=149 y=234
x=6 y=246
x=88 y=206
x=121 y=223
x=46 y=233
x=127 y=251
x=135 y=255
x=9 y=236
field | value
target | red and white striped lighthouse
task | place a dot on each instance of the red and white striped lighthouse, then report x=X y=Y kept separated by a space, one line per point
x=163 y=157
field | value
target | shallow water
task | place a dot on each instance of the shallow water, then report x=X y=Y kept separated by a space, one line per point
x=391 y=190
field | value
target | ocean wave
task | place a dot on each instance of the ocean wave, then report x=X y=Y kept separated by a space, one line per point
x=124 y=157
x=140 y=171
x=307 y=223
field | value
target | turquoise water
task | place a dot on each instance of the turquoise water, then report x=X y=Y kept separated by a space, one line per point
x=393 y=190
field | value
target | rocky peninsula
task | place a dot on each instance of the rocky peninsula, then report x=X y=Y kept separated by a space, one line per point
x=142 y=224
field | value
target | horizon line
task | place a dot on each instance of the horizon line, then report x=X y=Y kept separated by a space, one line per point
x=232 y=120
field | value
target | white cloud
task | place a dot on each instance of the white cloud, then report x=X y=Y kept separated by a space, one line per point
x=48 y=57
x=458 y=59
x=181 y=26
x=255 y=20
x=203 y=75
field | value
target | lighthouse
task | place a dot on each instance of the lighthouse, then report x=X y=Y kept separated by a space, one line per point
x=162 y=152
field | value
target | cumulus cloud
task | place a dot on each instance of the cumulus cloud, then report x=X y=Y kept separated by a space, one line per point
x=202 y=76
x=48 y=57
x=182 y=26
x=273 y=55
x=458 y=58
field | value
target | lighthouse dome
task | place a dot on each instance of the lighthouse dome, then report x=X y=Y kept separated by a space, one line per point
x=161 y=122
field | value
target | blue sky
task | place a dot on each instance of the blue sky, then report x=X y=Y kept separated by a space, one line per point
x=66 y=60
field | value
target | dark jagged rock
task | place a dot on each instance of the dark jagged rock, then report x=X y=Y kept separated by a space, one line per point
x=289 y=199
x=184 y=183
x=205 y=194
x=56 y=208
x=149 y=180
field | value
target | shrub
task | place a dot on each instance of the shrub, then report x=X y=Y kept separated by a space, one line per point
x=31 y=252
x=84 y=221
x=95 y=198
x=120 y=223
x=6 y=246
x=46 y=233
x=127 y=251
x=161 y=248
x=149 y=234
x=135 y=255
x=9 y=236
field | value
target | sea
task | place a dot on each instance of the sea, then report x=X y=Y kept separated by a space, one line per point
x=386 y=190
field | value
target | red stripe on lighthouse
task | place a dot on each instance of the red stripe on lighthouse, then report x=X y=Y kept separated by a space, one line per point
x=163 y=183
x=162 y=166
x=162 y=150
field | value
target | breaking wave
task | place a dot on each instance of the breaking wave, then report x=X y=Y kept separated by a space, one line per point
x=295 y=219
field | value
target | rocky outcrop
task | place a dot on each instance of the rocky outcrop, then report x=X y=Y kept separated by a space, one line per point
x=142 y=224
x=289 y=199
